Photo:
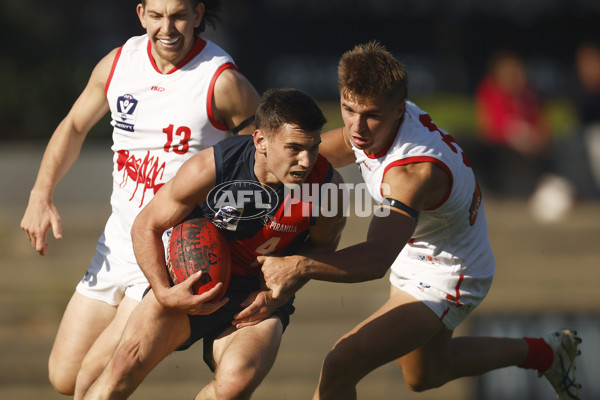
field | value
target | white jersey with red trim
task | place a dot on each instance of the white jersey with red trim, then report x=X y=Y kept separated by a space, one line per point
x=450 y=239
x=160 y=121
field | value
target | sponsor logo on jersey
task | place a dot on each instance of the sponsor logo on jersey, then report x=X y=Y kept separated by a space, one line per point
x=279 y=227
x=423 y=286
x=429 y=259
x=126 y=112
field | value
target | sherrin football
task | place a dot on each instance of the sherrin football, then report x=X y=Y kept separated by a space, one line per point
x=198 y=245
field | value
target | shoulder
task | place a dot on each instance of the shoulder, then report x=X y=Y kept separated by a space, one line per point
x=102 y=71
x=336 y=148
x=231 y=80
x=235 y=144
x=231 y=150
x=133 y=46
x=235 y=98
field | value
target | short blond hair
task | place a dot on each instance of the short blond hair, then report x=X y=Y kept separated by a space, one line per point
x=370 y=71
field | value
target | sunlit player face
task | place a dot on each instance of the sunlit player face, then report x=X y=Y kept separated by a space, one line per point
x=170 y=26
x=289 y=154
x=370 y=124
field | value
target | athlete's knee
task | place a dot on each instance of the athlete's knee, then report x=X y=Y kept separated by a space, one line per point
x=344 y=358
x=341 y=367
x=89 y=372
x=422 y=380
x=61 y=383
x=62 y=378
x=339 y=376
x=237 y=380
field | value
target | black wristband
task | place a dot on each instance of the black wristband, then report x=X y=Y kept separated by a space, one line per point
x=414 y=214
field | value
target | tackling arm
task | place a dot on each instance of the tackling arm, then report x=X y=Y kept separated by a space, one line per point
x=419 y=186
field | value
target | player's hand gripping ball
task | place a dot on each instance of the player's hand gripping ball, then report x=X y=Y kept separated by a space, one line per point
x=197 y=245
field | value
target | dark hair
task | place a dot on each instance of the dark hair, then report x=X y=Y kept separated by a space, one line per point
x=288 y=106
x=212 y=8
x=370 y=71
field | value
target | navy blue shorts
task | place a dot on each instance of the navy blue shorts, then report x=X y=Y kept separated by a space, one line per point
x=209 y=327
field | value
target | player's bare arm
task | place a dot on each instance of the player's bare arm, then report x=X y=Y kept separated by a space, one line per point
x=60 y=155
x=235 y=100
x=171 y=204
x=336 y=148
x=418 y=186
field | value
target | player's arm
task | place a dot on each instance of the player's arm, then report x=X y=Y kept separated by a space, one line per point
x=416 y=187
x=336 y=148
x=60 y=155
x=171 y=204
x=235 y=102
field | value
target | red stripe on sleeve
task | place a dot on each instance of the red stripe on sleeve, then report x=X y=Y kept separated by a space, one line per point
x=209 y=98
x=112 y=69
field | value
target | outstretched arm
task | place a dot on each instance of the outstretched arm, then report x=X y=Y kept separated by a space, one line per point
x=419 y=186
x=60 y=155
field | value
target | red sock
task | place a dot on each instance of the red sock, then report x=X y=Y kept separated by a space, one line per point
x=540 y=355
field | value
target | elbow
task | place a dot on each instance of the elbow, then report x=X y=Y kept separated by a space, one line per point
x=139 y=231
x=135 y=230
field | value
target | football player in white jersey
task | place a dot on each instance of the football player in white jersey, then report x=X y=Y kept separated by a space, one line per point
x=433 y=237
x=171 y=93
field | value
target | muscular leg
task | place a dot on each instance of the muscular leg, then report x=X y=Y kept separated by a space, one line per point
x=401 y=325
x=151 y=333
x=243 y=358
x=83 y=321
x=444 y=359
x=406 y=329
x=99 y=354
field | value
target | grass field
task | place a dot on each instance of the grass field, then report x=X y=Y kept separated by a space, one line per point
x=540 y=269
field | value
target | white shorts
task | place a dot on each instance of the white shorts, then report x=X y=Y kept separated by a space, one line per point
x=109 y=278
x=450 y=296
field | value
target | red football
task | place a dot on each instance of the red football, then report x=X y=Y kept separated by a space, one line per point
x=197 y=245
